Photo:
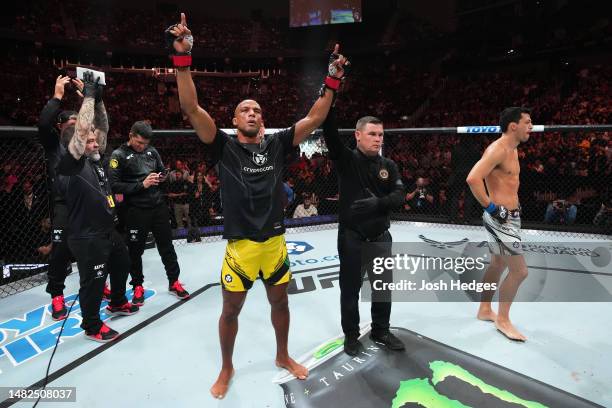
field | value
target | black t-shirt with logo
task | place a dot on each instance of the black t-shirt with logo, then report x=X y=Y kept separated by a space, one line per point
x=251 y=177
x=91 y=209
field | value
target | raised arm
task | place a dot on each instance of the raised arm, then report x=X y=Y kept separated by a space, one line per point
x=331 y=136
x=180 y=43
x=319 y=110
x=85 y=119
x=48 y=116
x=101 y=125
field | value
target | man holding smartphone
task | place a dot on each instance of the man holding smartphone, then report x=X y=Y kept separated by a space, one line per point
x=136 y=170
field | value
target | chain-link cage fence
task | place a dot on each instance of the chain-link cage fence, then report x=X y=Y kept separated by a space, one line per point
x=565 y=186
x=25 y=235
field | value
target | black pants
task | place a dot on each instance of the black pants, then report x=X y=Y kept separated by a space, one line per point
x=96 y=258
x=60 y=256
x=351 y=278
x=139 y=221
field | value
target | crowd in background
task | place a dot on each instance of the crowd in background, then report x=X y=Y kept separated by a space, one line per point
x=565 y=177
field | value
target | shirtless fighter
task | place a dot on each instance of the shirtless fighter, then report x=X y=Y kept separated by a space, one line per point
x=499 y=169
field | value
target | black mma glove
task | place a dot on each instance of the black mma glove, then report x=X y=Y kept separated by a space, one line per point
x=366 y=205
x=331 y=81
x=179 y=59
x=498 y=212
x=90 y=87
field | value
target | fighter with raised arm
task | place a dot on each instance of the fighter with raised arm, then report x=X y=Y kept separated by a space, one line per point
x=250 y=172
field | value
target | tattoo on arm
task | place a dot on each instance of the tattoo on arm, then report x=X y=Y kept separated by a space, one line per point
x=76 y=147
x=100 y=123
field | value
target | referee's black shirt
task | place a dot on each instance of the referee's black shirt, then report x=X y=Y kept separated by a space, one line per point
x=358 y=172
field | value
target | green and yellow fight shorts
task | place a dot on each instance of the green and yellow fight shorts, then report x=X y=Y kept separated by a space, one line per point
x=246 y=259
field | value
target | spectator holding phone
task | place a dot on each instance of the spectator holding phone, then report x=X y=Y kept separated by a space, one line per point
x=136 y=170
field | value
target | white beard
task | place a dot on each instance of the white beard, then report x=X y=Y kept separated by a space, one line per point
x=95 y=156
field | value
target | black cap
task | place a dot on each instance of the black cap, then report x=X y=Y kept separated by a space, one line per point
x=142 y=128
x=64 y=116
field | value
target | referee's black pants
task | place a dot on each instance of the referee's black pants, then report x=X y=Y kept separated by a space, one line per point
x=351 y=278
x=96 y=258
x=60 y=256
x=139 y=221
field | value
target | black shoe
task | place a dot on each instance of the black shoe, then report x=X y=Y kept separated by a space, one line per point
x=388 y=339
x=177 y=290
x=352 y=345
x=138 y=298
x=126 y=309
x=58 y=308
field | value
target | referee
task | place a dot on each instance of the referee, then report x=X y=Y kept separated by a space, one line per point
x=370 y=187
x=136 y=170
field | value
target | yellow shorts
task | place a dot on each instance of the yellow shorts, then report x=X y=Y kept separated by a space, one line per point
x=246 y=259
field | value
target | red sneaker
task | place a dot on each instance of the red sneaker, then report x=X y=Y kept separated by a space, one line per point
x=58 y=308
x=104 y=335
x=177 y=290
x=125 y=309
x=106 y=294
x=138 y=299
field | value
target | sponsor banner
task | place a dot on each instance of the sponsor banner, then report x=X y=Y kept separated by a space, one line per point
x=454 y=271
x=26 y=337
x=428 y=375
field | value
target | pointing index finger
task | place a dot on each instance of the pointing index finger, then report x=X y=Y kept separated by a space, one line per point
x=183 y=19
x=337 y=48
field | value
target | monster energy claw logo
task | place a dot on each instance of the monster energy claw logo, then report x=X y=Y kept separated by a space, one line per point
x=429 y=375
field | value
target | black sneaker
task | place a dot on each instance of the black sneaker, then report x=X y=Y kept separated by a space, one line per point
x=104 y=335
x=352 y=345
x=58 y=308
x=177 y=290
x=125 y=309
x=388 y=339
x=138 y=298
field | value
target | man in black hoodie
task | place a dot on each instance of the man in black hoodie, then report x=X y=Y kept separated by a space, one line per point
x=51 y=124
x=92 y=238
x=370 y=186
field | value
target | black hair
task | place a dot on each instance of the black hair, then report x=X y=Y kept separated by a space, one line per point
x=142 y=129
x=511 y=114
x=64 y=116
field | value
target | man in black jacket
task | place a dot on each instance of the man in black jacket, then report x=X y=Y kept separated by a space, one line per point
x=51 y=124
x=370 y=186
x=136 y=170
x=92 y=237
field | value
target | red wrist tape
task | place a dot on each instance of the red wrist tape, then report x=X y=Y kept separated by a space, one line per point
x=332 y=83
x=181 y=60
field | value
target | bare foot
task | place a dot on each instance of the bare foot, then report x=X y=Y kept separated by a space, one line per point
x=508 y=330
x=486 y=314
x=219 y=388
x=299 y=371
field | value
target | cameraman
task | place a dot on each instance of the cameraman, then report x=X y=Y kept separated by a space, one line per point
x=421 y=199
x=560 y=212
x=136 y=170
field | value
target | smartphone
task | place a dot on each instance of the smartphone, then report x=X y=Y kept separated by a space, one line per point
x=97 y=74
x=164 y=172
